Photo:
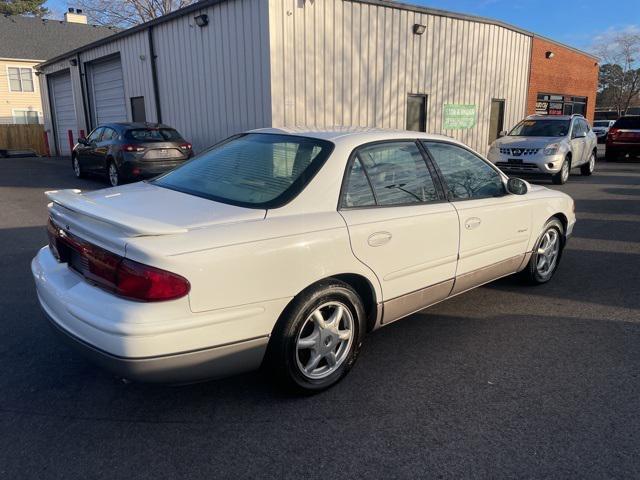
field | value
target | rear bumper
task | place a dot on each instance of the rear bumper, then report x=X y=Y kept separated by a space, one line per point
x=152 y=342
x=134 y=167
x=184 y=367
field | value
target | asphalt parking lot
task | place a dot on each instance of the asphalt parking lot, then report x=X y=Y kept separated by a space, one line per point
x=504 y=381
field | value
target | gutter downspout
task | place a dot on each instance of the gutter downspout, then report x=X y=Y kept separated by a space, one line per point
x=154 y=75
x=83 y=94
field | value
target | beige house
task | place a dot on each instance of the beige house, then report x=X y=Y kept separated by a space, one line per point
x=27 y=41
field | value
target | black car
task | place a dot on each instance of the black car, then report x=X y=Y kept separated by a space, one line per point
x=130 y=151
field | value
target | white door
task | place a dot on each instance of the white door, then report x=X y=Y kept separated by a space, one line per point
x=64 y=111
x=107 y=92
x=494 y=225
x=399 y=224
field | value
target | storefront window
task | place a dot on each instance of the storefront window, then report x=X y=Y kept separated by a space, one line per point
x=553 y=104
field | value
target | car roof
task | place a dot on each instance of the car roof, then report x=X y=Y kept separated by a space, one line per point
x=352 y=134
x=553 y=117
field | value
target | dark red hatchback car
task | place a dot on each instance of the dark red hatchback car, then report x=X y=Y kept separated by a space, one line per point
x=623 y=139
x=130 y=151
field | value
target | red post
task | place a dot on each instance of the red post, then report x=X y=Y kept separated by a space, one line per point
x=82 y=133
x=70 y=141
x=46 y=144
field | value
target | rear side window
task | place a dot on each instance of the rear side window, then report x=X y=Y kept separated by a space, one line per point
x=467 y=176
x=154 y=135
x=390 y=173
x=628 y=122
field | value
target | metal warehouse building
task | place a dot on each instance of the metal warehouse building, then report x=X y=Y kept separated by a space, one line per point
x=222 y=66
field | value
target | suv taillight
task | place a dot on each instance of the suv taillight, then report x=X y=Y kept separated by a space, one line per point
x=613 y=133
x=109 y=271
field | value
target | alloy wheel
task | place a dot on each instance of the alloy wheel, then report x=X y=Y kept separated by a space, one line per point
x=565 y=171
x=113 y=175
x=592 y=162
x=76 y=167
x=324 y=340
x=548 y=252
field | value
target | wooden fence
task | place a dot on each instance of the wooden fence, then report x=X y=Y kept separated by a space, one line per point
x=23 y=137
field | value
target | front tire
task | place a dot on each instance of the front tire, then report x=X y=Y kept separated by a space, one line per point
x=588 y=168
x=317 y=339
x=77 y=168
x=562 y=176
x=546 y=254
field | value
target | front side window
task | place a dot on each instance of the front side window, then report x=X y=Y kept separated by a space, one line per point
x=466 y=175
x=20 y=79
x=254 y=170
x=96 y=134
x=541 y=128
x=395 y=174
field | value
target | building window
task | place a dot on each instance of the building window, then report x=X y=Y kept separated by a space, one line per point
x=137 y=109
x=496 y=123
x=554 y=104
x=23 y=117
x=20 y=79
x=417 y=113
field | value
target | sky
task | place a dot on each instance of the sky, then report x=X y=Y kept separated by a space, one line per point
x=579 y=23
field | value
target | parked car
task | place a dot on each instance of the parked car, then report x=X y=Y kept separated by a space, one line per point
x=130 y=151
x=547 y=145
x=284 y=247
x=623 y=139
x=601 y=128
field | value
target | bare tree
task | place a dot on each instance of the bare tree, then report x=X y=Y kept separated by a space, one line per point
x=619 y=81
x=127 y=13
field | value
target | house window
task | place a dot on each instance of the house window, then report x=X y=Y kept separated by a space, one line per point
x=23 y=117
x=417 y=113
x=20 y=79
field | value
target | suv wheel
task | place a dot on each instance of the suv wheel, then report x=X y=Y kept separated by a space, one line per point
x=562 y=176
x=316 y=341
x=588 y=168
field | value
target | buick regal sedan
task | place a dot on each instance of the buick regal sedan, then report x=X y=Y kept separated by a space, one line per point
x=283 y=248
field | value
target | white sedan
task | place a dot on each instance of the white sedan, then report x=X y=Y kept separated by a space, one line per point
x=283 y=248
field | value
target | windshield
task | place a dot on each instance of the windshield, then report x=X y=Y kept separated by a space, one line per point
x=153 y=135
x=252 y=170
x=601 y=123
x=541 y=128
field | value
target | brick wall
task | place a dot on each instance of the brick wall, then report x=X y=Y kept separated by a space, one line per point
x=567 y=73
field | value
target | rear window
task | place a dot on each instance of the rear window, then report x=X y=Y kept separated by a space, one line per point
x=628 y=122
x=541 y=128
x=154 y=135
x=253 y=170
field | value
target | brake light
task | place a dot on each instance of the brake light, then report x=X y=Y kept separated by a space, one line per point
x=133 y=148
x=613 y=133
x=116 y=274
x=185 y=146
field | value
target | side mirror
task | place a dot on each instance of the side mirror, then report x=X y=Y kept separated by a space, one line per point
x=517 y=186
x=82 y=140
x=502 y=133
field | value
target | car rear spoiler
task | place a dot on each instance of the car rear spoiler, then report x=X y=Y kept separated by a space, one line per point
x=136 y=226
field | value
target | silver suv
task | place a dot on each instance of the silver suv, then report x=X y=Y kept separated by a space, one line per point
x=546 y=145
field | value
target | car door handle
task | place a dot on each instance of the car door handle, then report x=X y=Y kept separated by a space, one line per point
x=472 y=223
x=379 y=238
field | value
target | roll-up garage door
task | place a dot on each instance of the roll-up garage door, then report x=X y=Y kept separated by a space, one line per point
x=64 y=111
x=107 y=92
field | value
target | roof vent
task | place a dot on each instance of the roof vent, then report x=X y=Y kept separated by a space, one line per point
x=75 y=15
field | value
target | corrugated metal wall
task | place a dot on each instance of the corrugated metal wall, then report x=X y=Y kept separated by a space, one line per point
x=337 y=62
x=214 y=81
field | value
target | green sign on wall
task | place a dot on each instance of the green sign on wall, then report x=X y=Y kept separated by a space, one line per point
x=457 y=117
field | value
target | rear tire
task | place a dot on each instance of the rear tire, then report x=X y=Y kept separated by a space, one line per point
x=588 y=168
x=318 y=337
x=546 y=254
x=562 y=176
x=113 y=174
x=77 y=168
x=610 y=156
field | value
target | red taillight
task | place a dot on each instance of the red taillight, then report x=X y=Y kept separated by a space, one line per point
x=114 y=273
x=185 y=146
x=133 y=148
x=613 y=133
x=142 y=282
